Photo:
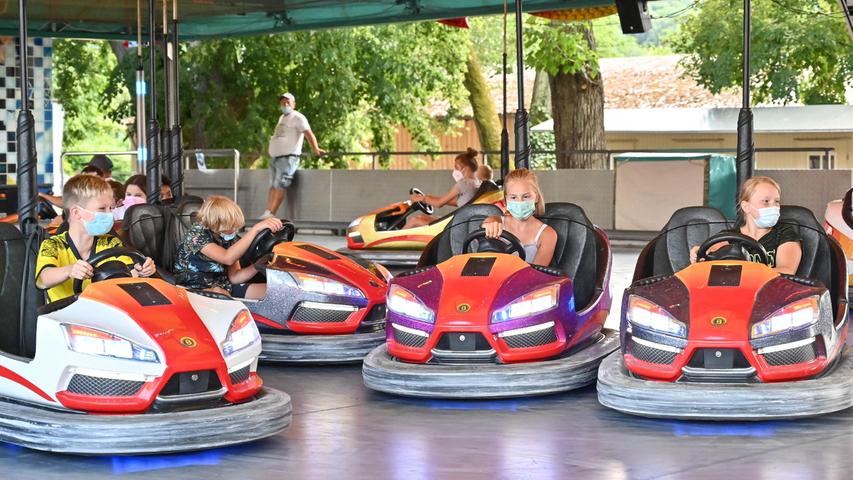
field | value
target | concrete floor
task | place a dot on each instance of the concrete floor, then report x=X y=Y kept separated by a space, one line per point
x=342 y=430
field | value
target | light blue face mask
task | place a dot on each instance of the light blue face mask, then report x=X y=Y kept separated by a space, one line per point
x=100 y=225
x=286 y=109
x=521 y=210
x=767 y=217
x=228 y=236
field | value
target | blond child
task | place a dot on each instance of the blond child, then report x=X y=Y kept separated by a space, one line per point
x=208 y=257
x=62 y=258
x=524 y=199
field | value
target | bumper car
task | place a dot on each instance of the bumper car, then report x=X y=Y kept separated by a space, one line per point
x=128 y=366
x=730 y=339
x=476 y=321
x=379 y=236
x=838 y=221
x=320 y=307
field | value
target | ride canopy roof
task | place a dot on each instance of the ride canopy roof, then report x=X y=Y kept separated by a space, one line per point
x=117 y=19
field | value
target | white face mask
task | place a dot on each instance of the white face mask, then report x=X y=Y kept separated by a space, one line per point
x=767 y=217
x=457 y=175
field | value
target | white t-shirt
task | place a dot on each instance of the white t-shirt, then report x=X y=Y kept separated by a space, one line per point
x=288 y=136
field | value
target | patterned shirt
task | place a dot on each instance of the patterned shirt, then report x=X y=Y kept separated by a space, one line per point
x=780 y=234
x=194 y=269
x=60 y=251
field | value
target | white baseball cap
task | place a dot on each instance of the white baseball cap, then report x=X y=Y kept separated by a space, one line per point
x=287 y=95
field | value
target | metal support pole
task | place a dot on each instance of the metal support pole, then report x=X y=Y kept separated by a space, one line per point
x=141 y=91
x=522 y=127
x=27 y=178
x=745 y=142
x=166 y=131
x=177 y=140
x=504 y=131
x=152 y=170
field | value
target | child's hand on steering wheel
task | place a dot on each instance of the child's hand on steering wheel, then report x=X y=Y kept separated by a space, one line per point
x=274 y=224
x=415 y=198
x=146 y=269
x=80 y=270
x=493 y=226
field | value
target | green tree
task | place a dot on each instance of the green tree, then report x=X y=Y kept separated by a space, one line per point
x=566 y=52
x=800 y=49
x=80 y=80
x=356 y=86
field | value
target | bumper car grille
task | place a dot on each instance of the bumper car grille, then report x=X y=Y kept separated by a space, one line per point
x=409 y=339
x=188 y=383
x=651 y=354
x=319 y=315
x=239 y=376
x=103 y=387
x=532 y=339
x=791 y=356
x=375 y=319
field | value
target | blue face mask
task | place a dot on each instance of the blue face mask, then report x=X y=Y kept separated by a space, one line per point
x=767 y=217
x=286 y=109
x=100 y=225
x=228 y=236
x=521 y=210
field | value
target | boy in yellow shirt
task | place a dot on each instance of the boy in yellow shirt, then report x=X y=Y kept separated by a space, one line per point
x=62 y=258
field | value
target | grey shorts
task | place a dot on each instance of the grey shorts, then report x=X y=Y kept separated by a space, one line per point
x=282 y=171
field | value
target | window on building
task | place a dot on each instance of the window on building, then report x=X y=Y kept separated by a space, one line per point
x=821 y=161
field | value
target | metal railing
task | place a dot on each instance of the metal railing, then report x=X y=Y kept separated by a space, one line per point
x=87 y=154
x=375 y=156
x=221 y=152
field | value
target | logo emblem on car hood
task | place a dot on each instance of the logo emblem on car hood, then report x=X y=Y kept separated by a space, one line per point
x=718 y=321
x=463 y=307
x=188 y=342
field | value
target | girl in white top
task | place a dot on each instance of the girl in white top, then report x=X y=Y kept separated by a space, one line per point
x=524 y=198
x=464 y=173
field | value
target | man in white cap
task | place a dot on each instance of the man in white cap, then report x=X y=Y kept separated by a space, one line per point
x=285 y=149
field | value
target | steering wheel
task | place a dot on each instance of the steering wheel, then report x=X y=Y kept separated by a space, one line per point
x=739 y=248
x=264 y=242
x=507 y=243
x=111 y=269
x=422 y=206
x=45 y=210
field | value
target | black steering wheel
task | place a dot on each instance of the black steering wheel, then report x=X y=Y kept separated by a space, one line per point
x=422 y=206
x=265 y=241
x=507 y=243
x=111 y=269
x=45 y=210
x=739 y=248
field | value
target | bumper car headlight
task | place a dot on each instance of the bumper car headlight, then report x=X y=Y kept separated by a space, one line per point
x=405 y=303
x=532 y=303
x=324 y=285
x=648 y=314
x=241 y=334
x=795 y=315
x=96 y=342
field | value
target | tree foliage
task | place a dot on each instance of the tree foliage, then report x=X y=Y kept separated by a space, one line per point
x=354 y=85
x=800 y=49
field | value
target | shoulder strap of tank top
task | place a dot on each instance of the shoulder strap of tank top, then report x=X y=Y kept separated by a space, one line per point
x=539 y=233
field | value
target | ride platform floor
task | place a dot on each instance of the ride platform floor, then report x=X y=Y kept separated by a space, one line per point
x=342 y=430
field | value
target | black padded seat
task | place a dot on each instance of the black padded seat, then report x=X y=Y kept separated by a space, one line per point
x=150 y=229
x=576 y=251
x=12 y=254
x=818 y=260
x=186 y=210
x=688 y=227
x=449 y=242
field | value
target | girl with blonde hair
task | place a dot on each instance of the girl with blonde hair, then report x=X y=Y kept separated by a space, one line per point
x=758 y=213
x=209 y=256
x=523 y=199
